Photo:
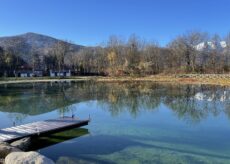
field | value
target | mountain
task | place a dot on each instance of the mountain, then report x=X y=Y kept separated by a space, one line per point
x=26 y=45
x=211 y=45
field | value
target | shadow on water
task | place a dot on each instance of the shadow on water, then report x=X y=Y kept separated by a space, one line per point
x=53 y=139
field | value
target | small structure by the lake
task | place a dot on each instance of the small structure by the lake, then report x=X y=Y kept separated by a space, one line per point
x=28 y=73
x=25 y=74
x=40 y=128
x=62 y=73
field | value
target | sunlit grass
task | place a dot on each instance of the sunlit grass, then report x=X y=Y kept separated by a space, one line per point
x=213 y=79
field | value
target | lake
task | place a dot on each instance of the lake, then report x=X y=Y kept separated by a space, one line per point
x=130 y=122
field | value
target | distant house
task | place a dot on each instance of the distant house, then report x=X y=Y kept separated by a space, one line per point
x=36 y=73
x=63 y=73
x=25 y=74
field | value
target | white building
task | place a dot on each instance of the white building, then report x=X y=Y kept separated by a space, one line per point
x=25 y=74
x=36 y=73
x=63 y=73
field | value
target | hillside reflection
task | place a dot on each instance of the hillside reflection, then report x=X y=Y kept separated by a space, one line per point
x=188 y=102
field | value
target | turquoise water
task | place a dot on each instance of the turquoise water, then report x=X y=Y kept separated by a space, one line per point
x=131 y=122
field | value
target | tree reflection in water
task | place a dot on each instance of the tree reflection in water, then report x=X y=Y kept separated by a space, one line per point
x=189 y=102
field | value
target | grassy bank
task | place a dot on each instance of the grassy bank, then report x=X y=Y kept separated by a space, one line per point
x=13 y=80
x=212 y=79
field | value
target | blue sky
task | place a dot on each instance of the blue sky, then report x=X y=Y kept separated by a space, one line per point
x=90 y=22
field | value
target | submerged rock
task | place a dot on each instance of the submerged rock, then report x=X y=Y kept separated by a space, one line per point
x=27 y=158
x=22 y=144
x=69 y=160
x=6 y=149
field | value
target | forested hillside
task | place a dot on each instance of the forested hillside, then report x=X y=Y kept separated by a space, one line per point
x=192 y=52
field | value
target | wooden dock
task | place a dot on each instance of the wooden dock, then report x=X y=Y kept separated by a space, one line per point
x=40 y=128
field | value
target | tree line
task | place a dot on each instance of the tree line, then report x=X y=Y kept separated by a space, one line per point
x=192 y=52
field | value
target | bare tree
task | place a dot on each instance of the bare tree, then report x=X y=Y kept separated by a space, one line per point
x=186 y=47
x=60 y=50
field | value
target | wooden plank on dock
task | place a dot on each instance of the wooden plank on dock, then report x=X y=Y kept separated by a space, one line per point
x=40 y=128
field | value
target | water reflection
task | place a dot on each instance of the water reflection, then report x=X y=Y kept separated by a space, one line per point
x=183 y=100
x=131 y=122
x=188 y=102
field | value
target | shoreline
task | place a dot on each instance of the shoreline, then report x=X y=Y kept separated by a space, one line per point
x=195 y=79
x=17 y=80
x=173 y=79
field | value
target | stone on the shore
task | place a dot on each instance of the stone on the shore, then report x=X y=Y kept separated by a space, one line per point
x=27 y=158
x=6 y=149
x=22 y=144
